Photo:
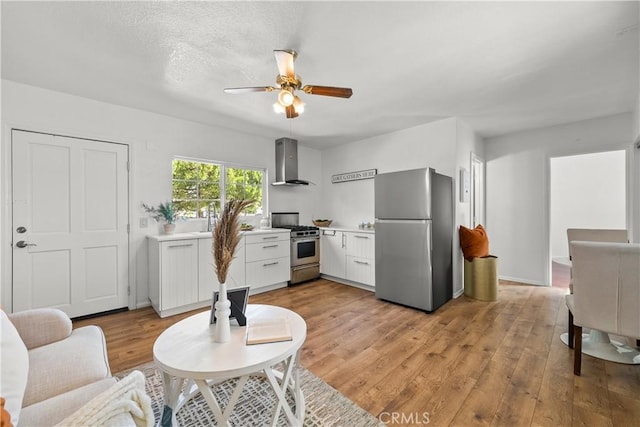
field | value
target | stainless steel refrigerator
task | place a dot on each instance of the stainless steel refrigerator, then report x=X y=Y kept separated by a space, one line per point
x=414 y=230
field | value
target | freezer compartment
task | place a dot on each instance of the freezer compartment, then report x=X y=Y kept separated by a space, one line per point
x=404 y=194
x=403 y=262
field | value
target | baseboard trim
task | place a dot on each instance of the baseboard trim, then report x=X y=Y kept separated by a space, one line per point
x=143 y=304
x=349 y=283
x=523 y=281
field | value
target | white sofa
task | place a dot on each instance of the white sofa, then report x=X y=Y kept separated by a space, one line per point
x=51 y=373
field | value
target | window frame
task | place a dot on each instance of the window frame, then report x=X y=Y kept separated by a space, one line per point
x=223 y=182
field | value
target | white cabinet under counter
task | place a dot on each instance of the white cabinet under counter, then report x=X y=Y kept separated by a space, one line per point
x=182 y=275
x=348 y=256
x=173 y=275
x=332 y=253
x=361 y=258
x=267 y=259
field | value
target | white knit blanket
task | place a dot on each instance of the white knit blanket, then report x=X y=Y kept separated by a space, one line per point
x=124 y=401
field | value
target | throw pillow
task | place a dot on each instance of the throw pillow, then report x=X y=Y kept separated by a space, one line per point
x=5 y=417
x=474 y=242
x=14 y=368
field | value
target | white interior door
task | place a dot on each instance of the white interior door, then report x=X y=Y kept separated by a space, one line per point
x=477 y=193
x=70 y=224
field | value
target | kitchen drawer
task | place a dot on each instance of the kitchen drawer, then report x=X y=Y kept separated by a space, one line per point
x=267 y=272
x=267 y=250
x=361 y=245
x=361 y=270
x=266 y=237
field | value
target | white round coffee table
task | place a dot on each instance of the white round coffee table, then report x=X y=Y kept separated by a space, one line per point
x=187 y=352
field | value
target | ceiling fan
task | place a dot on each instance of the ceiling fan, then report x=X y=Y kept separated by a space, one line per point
x=288 y=102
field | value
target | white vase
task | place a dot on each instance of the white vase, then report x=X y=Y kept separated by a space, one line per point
x=222 y=332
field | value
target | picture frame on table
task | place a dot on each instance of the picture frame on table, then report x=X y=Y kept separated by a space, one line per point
x=238 y=298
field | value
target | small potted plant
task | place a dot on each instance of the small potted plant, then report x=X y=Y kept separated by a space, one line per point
x=164 y=212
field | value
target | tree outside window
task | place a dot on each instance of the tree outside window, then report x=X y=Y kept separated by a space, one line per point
x=198 y=187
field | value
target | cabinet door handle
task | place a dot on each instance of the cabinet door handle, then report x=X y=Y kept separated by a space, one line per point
x=270 y=263
x=361 y=262
x=269 y=246
x=343 y=239
x=269 y=237
x=180 y=246
x=360 y=237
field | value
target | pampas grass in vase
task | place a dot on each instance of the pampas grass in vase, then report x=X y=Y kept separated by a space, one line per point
x=226 y=236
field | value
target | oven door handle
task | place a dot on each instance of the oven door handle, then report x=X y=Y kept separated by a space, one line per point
x=314 y=239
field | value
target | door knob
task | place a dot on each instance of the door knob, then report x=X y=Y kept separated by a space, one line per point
x=23 y=244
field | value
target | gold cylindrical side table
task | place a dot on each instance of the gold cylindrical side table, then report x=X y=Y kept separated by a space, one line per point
x=481 y=278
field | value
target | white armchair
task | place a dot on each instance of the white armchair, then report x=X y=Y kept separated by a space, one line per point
x=51 y=374
x=606 y=296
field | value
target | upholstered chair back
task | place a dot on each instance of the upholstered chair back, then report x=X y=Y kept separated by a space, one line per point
x=596 y=235
x=606 y=287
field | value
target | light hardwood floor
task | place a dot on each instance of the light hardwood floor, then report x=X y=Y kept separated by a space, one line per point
x=469 y=363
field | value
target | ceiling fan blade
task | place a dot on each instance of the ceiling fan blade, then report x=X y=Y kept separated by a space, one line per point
x=284 y=59
x=339 y=92
x=291 y=112
x=238 y=90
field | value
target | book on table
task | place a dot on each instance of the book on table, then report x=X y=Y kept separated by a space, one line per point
x=262 y=331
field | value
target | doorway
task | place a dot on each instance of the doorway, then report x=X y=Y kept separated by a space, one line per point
x=70 y=228
x=477 y=193
x=586 y=191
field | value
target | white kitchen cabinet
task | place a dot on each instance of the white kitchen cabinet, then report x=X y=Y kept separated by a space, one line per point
x=268 y=259
x=332 y=253
x=361 y=255
x=207 y=279
x=173 y=275
x=348 y=255
x=182 y=275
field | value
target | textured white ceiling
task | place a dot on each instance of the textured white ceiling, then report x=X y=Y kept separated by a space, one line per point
x=499 y=66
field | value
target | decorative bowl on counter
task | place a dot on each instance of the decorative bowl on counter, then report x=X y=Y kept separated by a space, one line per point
x=322 y=222
x=246 y=227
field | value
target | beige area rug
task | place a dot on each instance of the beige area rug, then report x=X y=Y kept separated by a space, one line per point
x=324 y=405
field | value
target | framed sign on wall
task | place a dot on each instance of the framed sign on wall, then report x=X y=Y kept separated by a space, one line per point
x=353 y=176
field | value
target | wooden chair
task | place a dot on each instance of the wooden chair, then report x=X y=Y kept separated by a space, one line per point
x=606 y=294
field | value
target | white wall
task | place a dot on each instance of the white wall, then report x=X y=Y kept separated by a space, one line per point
x=154 y=140
x=517 y=167
x=587 y=191
x=444 y=145
x=349 y=203
x=635 y=186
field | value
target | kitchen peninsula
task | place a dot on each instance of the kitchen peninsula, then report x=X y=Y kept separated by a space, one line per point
x=182 y=276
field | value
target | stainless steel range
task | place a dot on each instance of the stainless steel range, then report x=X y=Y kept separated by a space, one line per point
x=305 y=246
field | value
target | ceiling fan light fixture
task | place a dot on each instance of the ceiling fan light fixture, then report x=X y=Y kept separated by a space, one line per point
x=298 y=104
x=288 y=82
x=286 y=97
x=277 y=108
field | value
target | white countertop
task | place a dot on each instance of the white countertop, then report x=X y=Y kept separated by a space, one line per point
x=208 y=234
x=350 y=229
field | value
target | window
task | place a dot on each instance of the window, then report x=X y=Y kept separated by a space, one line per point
x=201 y=186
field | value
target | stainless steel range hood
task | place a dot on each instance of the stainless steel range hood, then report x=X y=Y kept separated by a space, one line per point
x=287 y=163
